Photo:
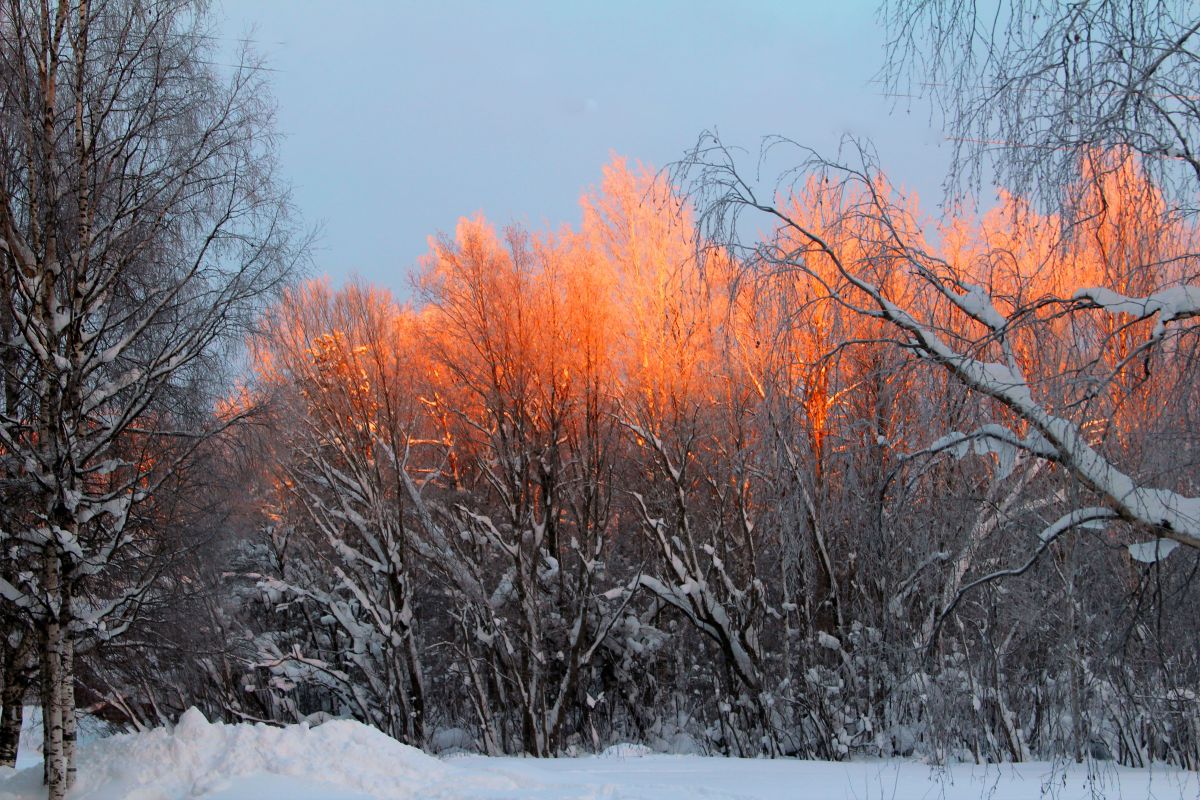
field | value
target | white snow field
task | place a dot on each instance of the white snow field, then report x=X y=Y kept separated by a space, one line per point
x=343 y=760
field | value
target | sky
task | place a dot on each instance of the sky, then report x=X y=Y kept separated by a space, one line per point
x=399 y=117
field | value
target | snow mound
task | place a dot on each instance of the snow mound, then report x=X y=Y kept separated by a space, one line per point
x=626 y=750
x=202 y=759
x=451 y=741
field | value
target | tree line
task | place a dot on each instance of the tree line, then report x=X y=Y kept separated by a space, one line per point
x=781 y=470
x=627 y=482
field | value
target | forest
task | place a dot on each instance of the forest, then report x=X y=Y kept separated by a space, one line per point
x=805 y=470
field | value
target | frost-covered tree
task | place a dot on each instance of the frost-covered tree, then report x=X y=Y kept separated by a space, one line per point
x=1028 y=88
x=521 y=359
x=140 y=228
x=347 y=415
x=1044 y=92
x=631 y=483
x=1073 y=336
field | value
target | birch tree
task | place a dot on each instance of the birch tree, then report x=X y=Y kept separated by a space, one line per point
x=518 y=331
x=1072 y=335
x=140 y=227
x=1043 y=93
x=1028 y=88
x=983 y=338
x=349 y=415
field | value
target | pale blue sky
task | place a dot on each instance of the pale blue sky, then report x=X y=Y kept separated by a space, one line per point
x=400 y=117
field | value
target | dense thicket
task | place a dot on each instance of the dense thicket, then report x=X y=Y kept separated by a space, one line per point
x=857 y=483
x=617 y=483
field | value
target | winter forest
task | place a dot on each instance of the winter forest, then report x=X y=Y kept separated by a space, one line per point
x=741 y=464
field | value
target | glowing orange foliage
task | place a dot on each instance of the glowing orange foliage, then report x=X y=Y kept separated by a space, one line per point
x=523 y=343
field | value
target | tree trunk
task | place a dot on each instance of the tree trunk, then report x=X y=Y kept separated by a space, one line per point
x=45 y=728
x=52 y=682
x=12 y=717
x=416 y=689
x=67 y=692
x=17 y=677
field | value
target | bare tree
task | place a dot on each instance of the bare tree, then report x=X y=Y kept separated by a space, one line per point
x=1029 y=87
x=966 y=332
x=1076 y=387
x=140 y=228
x=524 y=358
x=345 y=551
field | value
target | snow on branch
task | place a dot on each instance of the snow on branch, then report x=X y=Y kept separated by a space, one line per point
x=995 y=439
x=1090 y=517
x=1153 y=550
x=1175 y=514
x=974 y=302
x=1173 y=303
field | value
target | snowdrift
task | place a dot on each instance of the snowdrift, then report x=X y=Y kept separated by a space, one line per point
x=344 y=760
x=340 y=760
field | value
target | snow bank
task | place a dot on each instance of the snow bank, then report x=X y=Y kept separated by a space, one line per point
x=203 y=759
x=626 y=750
x=343 y=760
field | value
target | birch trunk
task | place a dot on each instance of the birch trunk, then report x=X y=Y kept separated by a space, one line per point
x=70 y=722
x=45 y=729
x=52 y=681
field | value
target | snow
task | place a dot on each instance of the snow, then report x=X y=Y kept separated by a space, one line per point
x=1094 y=518
x=626 y=750
x=344 y=760
x=1175 y=302
x=828 y=642
x=976 y=302
x=990 y=438
x=30 y=753
x=339 y=760
x=452 y=740
x=664 y=777
x=1154 y=550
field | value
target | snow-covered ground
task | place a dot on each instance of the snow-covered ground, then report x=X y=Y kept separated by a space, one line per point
x=344 y=760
